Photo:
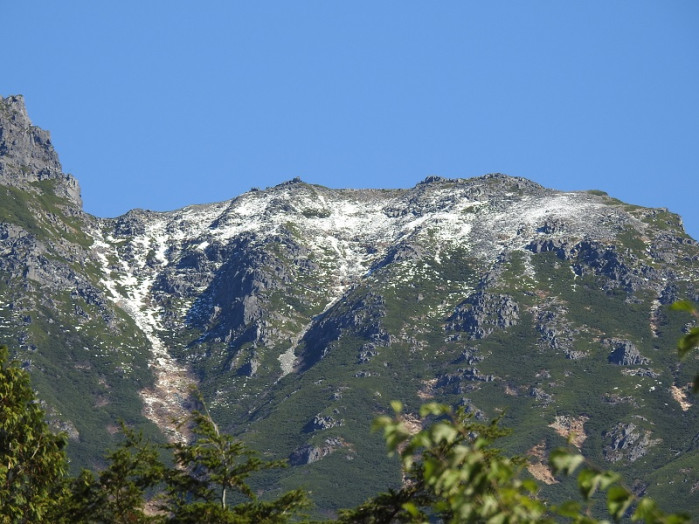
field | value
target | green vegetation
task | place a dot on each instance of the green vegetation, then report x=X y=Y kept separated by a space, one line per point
x=453 y=473
x=15 y=211
x=32 y=460
x=41 y=213
x=664 y=220
x=690 y=340
x=316 y=213
x=630 y=239
x=196 y=484
x=401 y=331
x=87 y=363
x=410 y=302
x=205 y=481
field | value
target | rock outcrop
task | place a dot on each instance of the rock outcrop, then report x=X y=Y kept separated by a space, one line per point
x=624 y=353
x=626 y=441
x=27 y=155
x=482 y=313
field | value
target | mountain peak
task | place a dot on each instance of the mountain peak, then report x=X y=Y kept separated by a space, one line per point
x=27 y=155
x=14 y=104
x=293 y=182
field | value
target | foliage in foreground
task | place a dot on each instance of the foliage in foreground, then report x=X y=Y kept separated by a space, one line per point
x=454 y=474
x=32 y=458
x=690 y=340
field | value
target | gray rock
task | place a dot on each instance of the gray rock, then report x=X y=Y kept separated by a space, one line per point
x=458 y=383
x=541 y=396
x=626 y=441
x=27 y=154
x=321 y=422
x=556 y=330
x=624 y=353
x=309 y=453
x=482 y=313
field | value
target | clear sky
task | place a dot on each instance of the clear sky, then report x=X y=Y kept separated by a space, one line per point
x=161 y=104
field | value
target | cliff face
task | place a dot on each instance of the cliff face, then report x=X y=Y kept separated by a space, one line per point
x=301 y=311
x=87 y=357
x=27 y=155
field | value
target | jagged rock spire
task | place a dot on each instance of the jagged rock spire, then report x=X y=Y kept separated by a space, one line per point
x=27 y=154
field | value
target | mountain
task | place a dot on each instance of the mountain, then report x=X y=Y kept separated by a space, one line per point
x=301 y=311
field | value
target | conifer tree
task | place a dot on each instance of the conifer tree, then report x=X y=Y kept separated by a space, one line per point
x=118 y=493
x=32 y=458
x=212 y=471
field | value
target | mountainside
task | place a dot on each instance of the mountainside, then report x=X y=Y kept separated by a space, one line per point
x=301 y=311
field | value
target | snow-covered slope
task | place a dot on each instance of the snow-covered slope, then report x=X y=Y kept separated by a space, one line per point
x=345 y=233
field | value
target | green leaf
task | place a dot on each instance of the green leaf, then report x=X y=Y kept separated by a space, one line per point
x=381 y=423
x=435 y=409
x=569 y=509
x=411 y=508
x=677 y=519
x=444 y=433
x=682 y=305
x=586 y=483
x=618 y=501
x=606 y=479
x=563 y=461
x=645 y=510
x=530 y=485
x=32 y=457
x=688 y=342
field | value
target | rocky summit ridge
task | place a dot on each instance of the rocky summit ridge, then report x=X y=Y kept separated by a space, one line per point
x=27 y=154
x=300 y=311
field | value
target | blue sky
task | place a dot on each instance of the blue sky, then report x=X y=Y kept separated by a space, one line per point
x=161 y=104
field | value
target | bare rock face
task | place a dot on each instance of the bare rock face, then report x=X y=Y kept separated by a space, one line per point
x=556 y=331
x=626 y=441
x=482 y=313
x=65 y=426
x=458 y=382
x=321 y=422
x=27 y=154
x=309 y=453
x=624 y=353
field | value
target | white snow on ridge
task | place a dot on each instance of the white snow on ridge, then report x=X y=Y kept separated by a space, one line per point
x=346 y=231
x=564 y=205
x=350 y=232
x=341 y=231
